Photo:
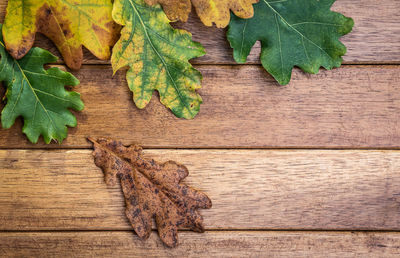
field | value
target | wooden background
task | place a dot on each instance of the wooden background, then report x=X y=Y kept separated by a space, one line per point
x=309 y=169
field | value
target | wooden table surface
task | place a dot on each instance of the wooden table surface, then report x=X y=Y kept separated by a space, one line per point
x=309 y=169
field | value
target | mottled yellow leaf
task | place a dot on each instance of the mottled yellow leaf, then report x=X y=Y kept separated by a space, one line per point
x=209 y=11
x=175 y=9
x=68 y=23
x=158 y=56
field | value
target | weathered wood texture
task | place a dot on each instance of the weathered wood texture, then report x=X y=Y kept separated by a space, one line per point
x=250 y=189
x=351 y=107
x=375 y=38
x=210 y=244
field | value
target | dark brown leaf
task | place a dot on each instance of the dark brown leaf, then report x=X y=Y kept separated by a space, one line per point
x=151 y=190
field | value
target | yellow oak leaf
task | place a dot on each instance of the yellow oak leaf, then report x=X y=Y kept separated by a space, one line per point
x=68 y=23
x=209 y=11
x=175 y=9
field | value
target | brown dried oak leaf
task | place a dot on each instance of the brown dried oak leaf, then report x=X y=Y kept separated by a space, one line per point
x=151 y=190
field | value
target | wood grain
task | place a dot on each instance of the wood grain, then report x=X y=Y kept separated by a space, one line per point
x=250 y=189
x=210 y=244
x=375 y=39
x=351 y=107
x=257 y=190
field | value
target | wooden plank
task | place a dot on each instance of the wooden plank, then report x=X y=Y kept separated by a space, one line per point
x=210 y=244
x=351 y=107
x=375 y=38
x=250 y=189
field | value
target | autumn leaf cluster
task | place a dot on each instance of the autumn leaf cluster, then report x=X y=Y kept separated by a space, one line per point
x=137 y=34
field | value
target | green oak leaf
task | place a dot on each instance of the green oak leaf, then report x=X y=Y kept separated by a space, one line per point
x=302 y=33
x=158 y=56
x=38 y=95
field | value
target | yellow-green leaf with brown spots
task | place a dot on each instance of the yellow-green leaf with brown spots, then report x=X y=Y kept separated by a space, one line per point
x=158 y=58
x=68 y=23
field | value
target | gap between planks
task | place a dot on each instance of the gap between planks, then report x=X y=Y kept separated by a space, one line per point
x=220 y=230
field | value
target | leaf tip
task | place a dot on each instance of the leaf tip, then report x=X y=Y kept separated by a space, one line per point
x=90 y=139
